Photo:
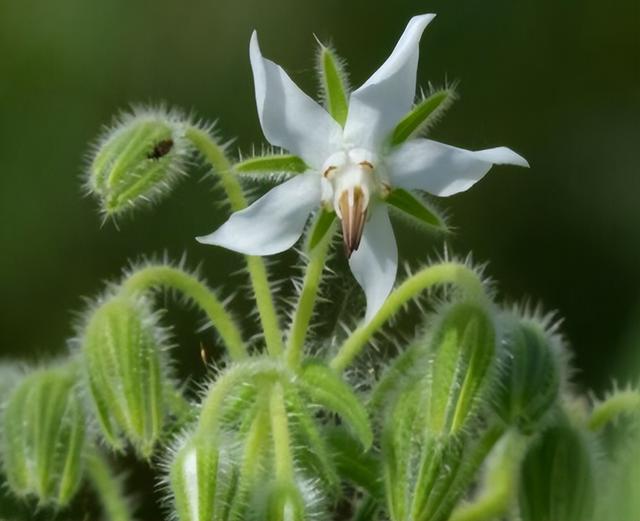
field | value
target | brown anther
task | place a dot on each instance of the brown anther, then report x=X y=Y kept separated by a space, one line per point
x=354 y=213
x=329 y=170
x=366 y=164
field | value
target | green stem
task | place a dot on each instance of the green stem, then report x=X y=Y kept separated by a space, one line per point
x=499 y=484
x=151 y=277
x=447 y=272
x=108 y=487
x=307 y=300
x=280 y=432
x=618 y=403
x=215 y=156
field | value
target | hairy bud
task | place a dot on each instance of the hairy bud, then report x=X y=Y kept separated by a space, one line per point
x=557 y=477
x=138 y=159
x=426 y=438
x=529 y=374
x=123 y=348
x=44 y=436
x=193 y=479
x=462 y=350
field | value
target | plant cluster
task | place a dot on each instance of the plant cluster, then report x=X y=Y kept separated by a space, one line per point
x=470 y=416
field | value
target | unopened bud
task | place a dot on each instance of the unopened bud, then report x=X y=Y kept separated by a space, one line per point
x=123 y=347
x=529 y=376
x=44 y=436
x=193 y=479
x=462 y=350
x=557 y=477
x=138 y=159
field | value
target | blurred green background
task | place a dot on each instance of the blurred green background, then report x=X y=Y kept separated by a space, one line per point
x=556 y=80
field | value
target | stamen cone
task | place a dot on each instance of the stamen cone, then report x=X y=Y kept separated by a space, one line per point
x=353 y=210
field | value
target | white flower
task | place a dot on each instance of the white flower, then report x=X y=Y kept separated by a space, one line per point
x=352 y=169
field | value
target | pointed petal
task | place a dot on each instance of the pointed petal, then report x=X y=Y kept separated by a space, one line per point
x=442 y=169
x=375 y=263
x=290 y=119
x=274 y=222
x=377 y=106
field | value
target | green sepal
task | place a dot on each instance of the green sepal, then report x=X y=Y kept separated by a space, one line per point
x=44 y=436
x=415 y=208
x=463 y=349
x=193 y=479
x=361 y=468
x=423 y=115
x=138 y=160
x=123 y=352
x=270 y=164
x=320 y=227
x=558 y=477
x=333 y=81
x=325 y=387
x=529 y=373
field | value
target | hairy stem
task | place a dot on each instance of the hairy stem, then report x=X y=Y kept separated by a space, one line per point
x=215 y=156
x=618 y=403
x=444 y=273
x=307 y=300
x=280 y=432
x=152 y=277
x=108 y=488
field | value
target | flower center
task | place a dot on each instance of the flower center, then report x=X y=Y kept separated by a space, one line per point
x=349 y=179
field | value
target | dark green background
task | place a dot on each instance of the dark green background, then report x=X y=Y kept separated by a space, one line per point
x=558 y=81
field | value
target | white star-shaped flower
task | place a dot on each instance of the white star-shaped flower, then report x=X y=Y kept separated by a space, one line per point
x=352 y=168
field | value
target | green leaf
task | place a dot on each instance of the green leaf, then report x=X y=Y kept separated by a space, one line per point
x=423 y=115
x=270 y=164
x=320 y=228
x=324 y=386
x=333 y=80
x=417 y=209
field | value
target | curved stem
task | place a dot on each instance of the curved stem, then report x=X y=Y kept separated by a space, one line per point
x=307 y=299
x=618 y=403
x=215 y=156
x=152 y=277
x=108 y=487
x=447 y=272
x=280 y=432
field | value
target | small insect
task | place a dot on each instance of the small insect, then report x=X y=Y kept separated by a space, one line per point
x=161 y=149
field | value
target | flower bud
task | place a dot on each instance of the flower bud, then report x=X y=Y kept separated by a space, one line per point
x=529 y=376
x=44 y=436
x=138 y=159
x=289 y=500
x=193 y=479
x=123 y=348
x=461 y=352
x=557 y=477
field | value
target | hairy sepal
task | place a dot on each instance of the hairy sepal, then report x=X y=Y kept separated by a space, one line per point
x=417 y=210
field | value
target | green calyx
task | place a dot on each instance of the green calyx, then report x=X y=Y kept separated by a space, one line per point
x=126 y=374
x=557 y=481
x=43 y=436
x=137 y=160
x=529 y=373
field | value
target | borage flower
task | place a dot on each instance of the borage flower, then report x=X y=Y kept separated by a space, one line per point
x=353 y=162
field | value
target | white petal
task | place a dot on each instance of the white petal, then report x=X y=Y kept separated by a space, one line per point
x=375 y=263
x=442 y=169
x=274 y=222
x=290 y=119
x=377 y=106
